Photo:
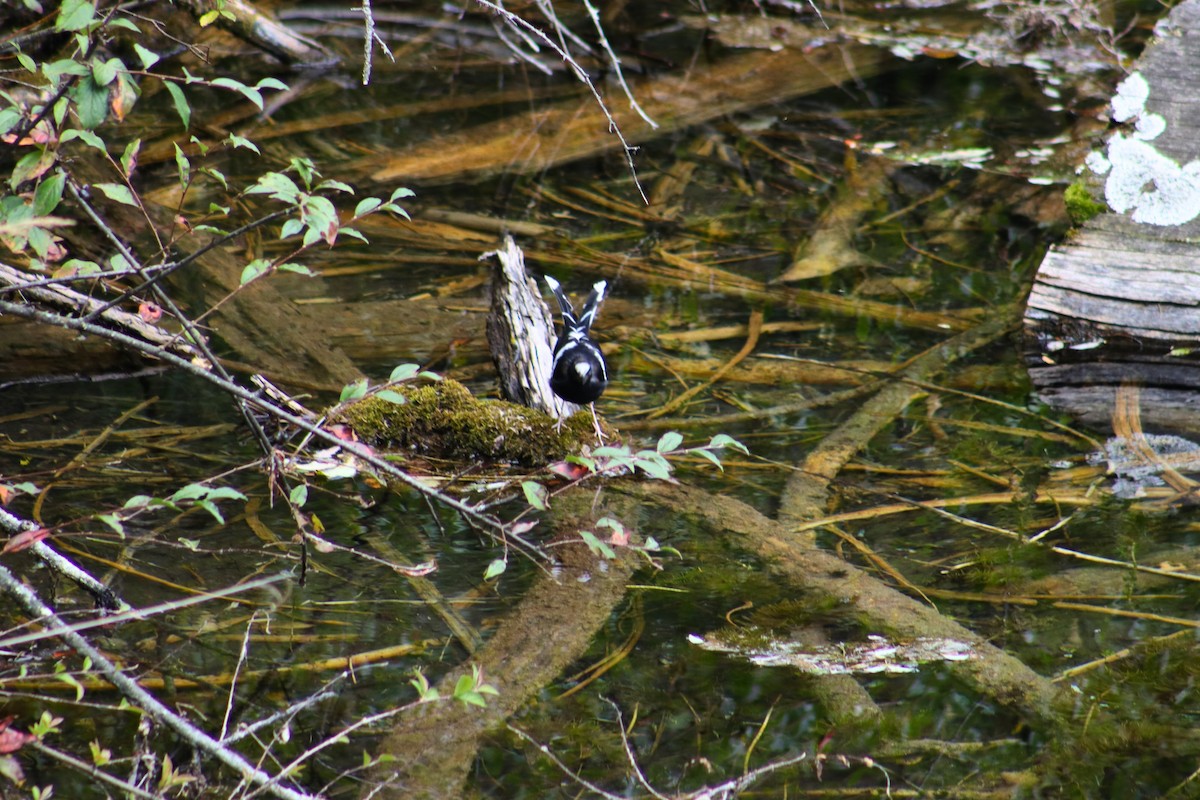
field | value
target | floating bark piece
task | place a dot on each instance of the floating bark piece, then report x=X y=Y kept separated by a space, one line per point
x=820 y=576
x=558 y=134
x=831 y=246
x=262 y=30
x=1121 y=300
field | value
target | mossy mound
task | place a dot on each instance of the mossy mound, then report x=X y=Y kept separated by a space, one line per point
x=1080 y=203
x=444 y=420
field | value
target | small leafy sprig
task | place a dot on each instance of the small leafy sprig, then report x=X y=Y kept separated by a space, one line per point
x=194 y=494
x=611 y=461
x=404 y=372
x=315 y=216
x=621 y=459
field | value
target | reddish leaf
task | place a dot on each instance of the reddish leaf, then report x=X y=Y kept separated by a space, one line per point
x=55 y=252
x=149 y=312
x=524 y=526
x=619 y=538
x=13 y=740
x=5 y=495
x=23 y=540
x=569 y=471
x=417 y=570
x=342 y=432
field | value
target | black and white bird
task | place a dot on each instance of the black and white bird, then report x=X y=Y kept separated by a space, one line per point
x=579 y=374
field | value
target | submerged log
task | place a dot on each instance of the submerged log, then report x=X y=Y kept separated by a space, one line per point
x=1121 y=300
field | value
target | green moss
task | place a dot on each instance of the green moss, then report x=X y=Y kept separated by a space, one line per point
x=444 y=420
x=1080 y=204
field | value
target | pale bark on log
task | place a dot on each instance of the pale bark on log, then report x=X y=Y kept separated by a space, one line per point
x=1120 y=301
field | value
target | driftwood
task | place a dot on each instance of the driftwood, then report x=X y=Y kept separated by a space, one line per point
x=1120 y=301
x=520 y=333
x=249 y=22
x=559 y=134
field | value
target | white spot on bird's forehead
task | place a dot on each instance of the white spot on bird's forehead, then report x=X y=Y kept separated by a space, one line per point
x=583 y=368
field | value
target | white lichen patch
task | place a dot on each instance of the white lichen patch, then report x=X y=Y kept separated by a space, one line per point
x=1131 y=97
x=1141 y=180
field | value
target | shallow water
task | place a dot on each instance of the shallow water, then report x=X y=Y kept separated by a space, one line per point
x=934 y=238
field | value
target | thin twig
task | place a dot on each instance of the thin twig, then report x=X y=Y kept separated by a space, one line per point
x=472 y=515
x=33 y=605
x=580 y=73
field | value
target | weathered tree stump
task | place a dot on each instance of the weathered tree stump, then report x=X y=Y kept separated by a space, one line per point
x=1120 y=302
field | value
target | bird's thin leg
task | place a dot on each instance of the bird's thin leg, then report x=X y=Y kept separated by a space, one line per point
x=596 y=423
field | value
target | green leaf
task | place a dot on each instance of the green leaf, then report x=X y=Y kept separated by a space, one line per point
x=239 y=141
x=184 y=166
x=710 y=455
x=320 y=215
x=114 y=522
x=49 y=193
x=299 y=269
x=78 y=266
x=651 y=543
x=61 y=107
x=401 y=192
x=129 y=157
x=366 y=206
x=29 y=166
x=91 y=102
x=9 y=117
x=28 y=63
x=190 y=492
x=403 y=372
x=272 y=83
x=122 y=22
x=337 y=186
x=225 y=493
x=149 y=57
x=391 y=396
x=216 y=175
x=495 y=569
x=254 y=269
x=75 y=15
x=181 y=104
x=299 y=494
x=211 y=507
x=53 y=70
x=105 y=72
x=669 y=441
x=71 y=680
x=118 y=192
x=465 y=692
x=40 y=240
x=249 y=92
x=655 y=468
x=190 y=544
x=724 y=440
x=536 y=495
x=209 y=17
x=596 y=546
x=89 y=138
x=290 y=228
x=353 y=391
x=278 y=186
